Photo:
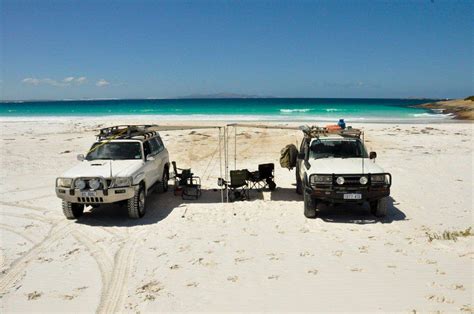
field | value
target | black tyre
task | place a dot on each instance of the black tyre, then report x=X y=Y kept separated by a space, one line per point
x=309 y=206
x=379 y=208
x=299 y=185
x=72 y=210
x=163 y=185
x=137 y=204
x=271 y=185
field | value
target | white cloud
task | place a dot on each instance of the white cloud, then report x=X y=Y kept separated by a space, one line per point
x=68 y=81
x=102 y=83
x=31 y=80
x=81 y=80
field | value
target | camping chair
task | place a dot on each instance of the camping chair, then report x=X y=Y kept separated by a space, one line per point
x=264 y=177
x=238 y=186
x=186 y=183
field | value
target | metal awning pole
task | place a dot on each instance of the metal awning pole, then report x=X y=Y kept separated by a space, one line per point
x=227 y=161
x=220 y=164
x=235 y=148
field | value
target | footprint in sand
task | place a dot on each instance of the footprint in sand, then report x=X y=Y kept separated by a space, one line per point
x=175 y=266
x=232 y=278
x=274 y=256
x=68 y=297
x=337 y=253
x=192 y=284
x=273 y=277
x=34 y=295
x=313 y=271
x=358 y=270
x=439 y=299
x=306 y=253
x=150 y=290
x=363 y=249
x=242 y=259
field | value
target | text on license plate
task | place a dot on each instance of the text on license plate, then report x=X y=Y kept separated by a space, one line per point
x=89 y=193
x=353 y=196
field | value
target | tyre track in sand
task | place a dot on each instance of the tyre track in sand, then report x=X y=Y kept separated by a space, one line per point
x=112 y=296
x=20 y=234
x=101 y=256
x=16 y=269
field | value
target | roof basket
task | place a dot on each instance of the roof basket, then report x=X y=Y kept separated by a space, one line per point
x=126 y=131
x=316 y=131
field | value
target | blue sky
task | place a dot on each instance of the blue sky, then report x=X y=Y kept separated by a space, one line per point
x=141 y=49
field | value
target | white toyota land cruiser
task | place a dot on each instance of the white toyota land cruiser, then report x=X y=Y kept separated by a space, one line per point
x=125 y=164
x=334 y=167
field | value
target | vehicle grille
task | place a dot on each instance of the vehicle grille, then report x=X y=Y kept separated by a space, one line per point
x=90 y=200
x=349 y=181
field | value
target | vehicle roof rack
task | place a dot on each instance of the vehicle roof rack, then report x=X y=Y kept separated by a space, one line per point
x=316 y=131
x=126 y=132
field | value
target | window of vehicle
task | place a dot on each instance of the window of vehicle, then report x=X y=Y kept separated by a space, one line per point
x=115 y=151
x=154 y=146
x=337 y=148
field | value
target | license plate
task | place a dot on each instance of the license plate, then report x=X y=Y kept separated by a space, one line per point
x=353 y=196
x=89 y=193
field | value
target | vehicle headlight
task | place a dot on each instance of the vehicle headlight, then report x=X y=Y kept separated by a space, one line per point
x=94 y=184
x=64 y=182
x=340 y=180
x=378 y=178
x=80 y=184
x=321 y=179
x=122 y=181
x=363 y=180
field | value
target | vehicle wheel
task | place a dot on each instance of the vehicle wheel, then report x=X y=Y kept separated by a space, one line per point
x=299 y=185
x=72 y=210
x=163 y=185
x=309 y=206
x=379 y=208
x=137 y=204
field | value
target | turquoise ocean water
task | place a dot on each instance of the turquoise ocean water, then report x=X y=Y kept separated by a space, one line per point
x=317 y=109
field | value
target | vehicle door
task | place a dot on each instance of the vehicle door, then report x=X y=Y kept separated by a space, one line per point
x=156 y=153
x=150 y=164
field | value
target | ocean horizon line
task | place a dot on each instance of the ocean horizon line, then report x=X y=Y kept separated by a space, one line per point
x=211 y=98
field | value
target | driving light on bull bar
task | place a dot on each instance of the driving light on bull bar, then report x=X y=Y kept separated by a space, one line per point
x=80 y=184
x=363 y=180
x=94 y=184
x=340 y=180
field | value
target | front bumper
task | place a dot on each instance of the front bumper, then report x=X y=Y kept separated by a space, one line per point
x=99 y=197
x=337 y=195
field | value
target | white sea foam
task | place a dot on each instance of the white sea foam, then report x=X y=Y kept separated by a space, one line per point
x=294 y=110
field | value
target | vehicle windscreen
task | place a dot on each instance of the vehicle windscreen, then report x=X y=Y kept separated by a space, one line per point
x=115 y=150
x=337 y=149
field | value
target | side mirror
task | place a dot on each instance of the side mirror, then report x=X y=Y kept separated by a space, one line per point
x=300 y=156
x=373 y=155
x=220 y=182
x=80 y=157
x=149 y=158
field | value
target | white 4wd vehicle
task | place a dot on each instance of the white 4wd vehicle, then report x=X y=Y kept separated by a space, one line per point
x=334 y=167
x=124 y=164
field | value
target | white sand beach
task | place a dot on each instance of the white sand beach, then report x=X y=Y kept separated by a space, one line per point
x=257 y=255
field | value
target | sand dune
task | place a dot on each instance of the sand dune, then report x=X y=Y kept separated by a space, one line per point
x=257 y=255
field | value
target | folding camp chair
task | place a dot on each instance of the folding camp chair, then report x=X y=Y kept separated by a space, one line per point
x=238 y=186
x=264 y=177
x=186 y=183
